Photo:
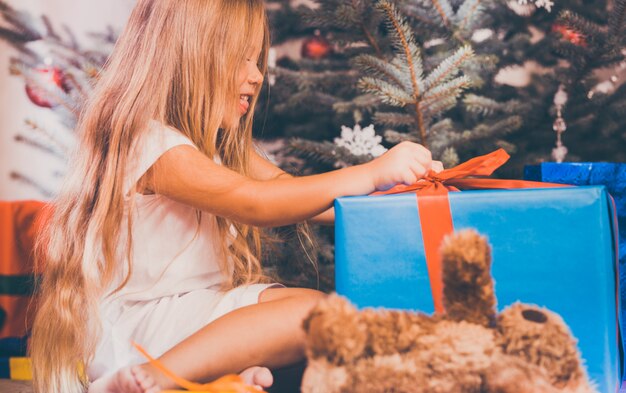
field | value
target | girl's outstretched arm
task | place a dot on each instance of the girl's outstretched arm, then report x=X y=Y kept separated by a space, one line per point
x=188 y=176
x=263 y=169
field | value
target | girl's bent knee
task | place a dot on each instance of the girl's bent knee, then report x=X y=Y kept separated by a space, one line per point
x=304 y=294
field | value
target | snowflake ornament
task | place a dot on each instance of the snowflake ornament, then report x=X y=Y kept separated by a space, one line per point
x=547 y=4
x=361 y=141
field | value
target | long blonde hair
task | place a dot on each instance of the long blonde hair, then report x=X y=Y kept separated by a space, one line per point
x=176 y=63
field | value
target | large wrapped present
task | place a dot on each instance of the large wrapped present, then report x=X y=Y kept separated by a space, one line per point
x=553 y=247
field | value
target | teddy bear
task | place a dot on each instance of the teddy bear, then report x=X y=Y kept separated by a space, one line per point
x=469 y=349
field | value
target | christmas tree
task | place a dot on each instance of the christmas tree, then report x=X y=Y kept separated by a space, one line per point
x=570 y=44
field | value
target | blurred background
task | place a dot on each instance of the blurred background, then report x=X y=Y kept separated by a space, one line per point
x=81 y=17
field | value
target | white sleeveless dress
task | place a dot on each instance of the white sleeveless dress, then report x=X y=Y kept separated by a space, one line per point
x=174 y=288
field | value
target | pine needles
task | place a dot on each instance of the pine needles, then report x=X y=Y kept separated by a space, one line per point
x=400 y=81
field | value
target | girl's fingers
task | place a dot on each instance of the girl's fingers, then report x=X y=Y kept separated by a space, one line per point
x=409 y=177
x=437 y=166
x=423 y=155
x=417 y=171
x=423 y=163
x=420 y=170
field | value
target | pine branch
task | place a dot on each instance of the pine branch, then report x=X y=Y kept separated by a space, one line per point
x=436 y=107
x=402 y=38
x=486 y=106
x=581 y=25
x=308 y=100
x=326 y=152
x=439 y=6
x=54 y=146
x=19 y=25
x=449 y=157
x=469 y=10
x=29 y=181
x=73 y=43
x=401 y=30
x=368 y=35
x=394 y=119
x=370 y=64
x=387 y=92
x=444 y=136
x=441 y=126
x=451 y=88
x=365 y=102
x=309 y=80
x=371 y=40
x=15 y=38
x=402 y=65
x=485 y=130
x=448 y=68
x=396 y=137
x=421 y=16
x=319 y=151
x=38 y=144
x=617 y=19
x=507 y=146
x=109 y=36
x=50 y=31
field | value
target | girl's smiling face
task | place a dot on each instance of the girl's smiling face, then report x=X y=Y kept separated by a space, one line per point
x=249 y=79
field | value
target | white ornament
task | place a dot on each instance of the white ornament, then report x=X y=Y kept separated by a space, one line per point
x=361 y=141
x=434 y=42
x=547 y=4
x=560 y=98
x=481 y=35
x=559 y=153
x=521 y=9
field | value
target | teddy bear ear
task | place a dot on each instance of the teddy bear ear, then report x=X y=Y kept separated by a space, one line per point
x=332 y=306
x=467 y=283
x=466 y=248
x=541 y=337
x=334 y=331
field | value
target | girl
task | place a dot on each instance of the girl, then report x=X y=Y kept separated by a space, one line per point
x=155 y=235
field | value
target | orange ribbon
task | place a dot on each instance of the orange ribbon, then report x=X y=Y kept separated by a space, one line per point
x=434 y=206
x=227 y=384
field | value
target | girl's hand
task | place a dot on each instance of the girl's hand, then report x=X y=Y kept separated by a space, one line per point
x=405 y=163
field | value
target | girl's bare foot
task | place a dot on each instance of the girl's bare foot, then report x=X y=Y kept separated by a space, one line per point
x=127 y=380
x=137 y=380
x=260 y=377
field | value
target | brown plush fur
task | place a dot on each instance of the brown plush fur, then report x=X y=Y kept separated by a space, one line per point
x=471 y=349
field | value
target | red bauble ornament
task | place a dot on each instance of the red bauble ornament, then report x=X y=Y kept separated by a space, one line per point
x=316 y=47
x=572 y=36
x=51 y=76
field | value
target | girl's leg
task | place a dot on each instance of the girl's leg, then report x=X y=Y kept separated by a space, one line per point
x=268 y=333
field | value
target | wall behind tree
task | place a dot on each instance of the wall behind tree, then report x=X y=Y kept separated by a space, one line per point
x=81 y=17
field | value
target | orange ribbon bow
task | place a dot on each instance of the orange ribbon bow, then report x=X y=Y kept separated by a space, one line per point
x=434 y=206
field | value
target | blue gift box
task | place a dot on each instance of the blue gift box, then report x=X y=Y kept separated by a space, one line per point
x=551 y=247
